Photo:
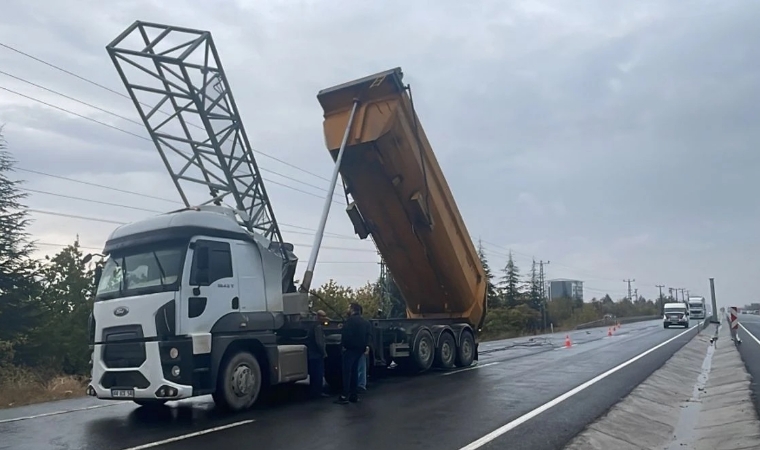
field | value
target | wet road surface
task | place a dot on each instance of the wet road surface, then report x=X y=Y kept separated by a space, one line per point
x=749 y=349
x=438 y=410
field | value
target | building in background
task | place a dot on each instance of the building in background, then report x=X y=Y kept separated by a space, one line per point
x=564 y=288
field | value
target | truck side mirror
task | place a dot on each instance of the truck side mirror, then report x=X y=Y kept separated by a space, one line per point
x=98 y=274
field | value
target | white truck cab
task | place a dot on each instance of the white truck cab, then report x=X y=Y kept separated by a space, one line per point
x=190 y=303
x=675 y=314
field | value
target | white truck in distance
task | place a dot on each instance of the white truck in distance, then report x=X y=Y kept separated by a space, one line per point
x=697 y=308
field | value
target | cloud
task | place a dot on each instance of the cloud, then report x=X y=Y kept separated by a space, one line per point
x=616 y=140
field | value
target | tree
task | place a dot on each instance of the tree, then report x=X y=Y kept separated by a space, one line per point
x=492 y=296
x=18 y=286
x=59 y=342
x=510 y=282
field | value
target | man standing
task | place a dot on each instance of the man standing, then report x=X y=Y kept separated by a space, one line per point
x=317 y=352
x=355 y=339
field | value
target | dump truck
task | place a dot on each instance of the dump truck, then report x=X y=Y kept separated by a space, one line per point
x=401 y=199
x=202 y=300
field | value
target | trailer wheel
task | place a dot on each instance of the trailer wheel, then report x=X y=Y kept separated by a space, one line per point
x=239 y=383
x=466 y=350
x=423 y=352
x=446 y=351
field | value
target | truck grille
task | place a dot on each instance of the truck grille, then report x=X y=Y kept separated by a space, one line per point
x=124 y=346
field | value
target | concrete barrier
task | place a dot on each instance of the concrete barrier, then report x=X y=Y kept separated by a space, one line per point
x=610 y=322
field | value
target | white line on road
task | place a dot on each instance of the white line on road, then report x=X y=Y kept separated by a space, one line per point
x=479 y=366
x=750 y=334
x=526 y=417
x=55 y=413
x=190 y=435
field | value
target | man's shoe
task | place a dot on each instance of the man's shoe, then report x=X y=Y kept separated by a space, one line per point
x=342 y=400
x=353 y=399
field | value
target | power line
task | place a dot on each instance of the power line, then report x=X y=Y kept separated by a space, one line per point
x=51 y=244
x=113 y=127
x=121 y=94
x=97 y=219
x=23 y=80
x=88 y=183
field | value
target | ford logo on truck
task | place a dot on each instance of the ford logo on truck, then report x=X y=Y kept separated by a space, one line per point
x=120 y=311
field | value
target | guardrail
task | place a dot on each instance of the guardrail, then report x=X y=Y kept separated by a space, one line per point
x=610 y=322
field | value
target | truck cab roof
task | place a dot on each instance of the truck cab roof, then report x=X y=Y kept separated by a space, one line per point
x=215 y=221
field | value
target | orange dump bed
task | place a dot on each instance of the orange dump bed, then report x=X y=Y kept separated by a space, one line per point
x=403 y=199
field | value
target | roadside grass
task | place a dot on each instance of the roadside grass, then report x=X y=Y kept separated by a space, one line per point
x=20 y=386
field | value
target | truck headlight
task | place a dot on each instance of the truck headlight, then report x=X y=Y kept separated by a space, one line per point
x=175 y=371
x=173 y=353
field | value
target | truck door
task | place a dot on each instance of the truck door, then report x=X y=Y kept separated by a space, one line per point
x=209 y=286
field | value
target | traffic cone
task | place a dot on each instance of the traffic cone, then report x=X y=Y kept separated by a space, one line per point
x=568 y=344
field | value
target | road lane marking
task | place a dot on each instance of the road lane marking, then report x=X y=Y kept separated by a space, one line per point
x=750 y=334
x=479 y=366
x=55 y=413
x=190 y=435
x=546 y=406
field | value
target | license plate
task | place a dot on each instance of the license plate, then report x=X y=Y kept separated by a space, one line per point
x=122 y=393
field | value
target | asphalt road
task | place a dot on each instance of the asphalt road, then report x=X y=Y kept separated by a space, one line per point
x=749 y=349
x=495 y=402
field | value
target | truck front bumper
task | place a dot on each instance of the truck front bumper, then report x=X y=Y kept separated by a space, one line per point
x=142 y=370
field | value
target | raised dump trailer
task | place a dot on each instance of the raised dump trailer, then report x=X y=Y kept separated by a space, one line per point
x=401 y=198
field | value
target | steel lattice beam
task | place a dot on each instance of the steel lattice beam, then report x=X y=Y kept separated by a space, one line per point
x=176 y=81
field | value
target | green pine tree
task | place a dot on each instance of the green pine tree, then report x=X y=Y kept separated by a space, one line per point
x=492 y=295
x=511 y=283
x=18 y=287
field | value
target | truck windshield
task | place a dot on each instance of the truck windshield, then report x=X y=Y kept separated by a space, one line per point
x=141 y=272
x=675 y=310
x=695 y=305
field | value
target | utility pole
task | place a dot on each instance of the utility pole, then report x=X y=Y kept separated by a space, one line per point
x=542 y=291
x=682 y=294
x=688 y=295
x=629 y=281
x=636 y=294
x=662 y=303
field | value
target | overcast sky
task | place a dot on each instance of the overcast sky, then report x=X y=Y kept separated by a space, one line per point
x=616 y=139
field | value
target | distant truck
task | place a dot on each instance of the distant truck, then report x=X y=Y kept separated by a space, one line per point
x=697 y=308
x=675 y=314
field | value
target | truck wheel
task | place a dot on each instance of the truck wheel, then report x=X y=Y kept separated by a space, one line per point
x=466 y=350
x=239 y=382
x=423 y=352
x=446 y=351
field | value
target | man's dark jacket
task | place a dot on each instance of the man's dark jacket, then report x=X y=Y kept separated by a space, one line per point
x=356 y=333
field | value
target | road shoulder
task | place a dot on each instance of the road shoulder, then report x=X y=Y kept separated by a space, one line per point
x=699 y=399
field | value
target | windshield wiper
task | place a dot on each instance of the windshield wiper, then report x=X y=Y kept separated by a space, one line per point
x=160 y=269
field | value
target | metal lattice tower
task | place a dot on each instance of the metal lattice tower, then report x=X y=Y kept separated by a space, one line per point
x=175 y=79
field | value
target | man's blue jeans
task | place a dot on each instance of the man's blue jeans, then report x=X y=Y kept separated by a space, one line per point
x=362 y=382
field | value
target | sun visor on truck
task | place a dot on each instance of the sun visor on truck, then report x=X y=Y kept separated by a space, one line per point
x=379 y=85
